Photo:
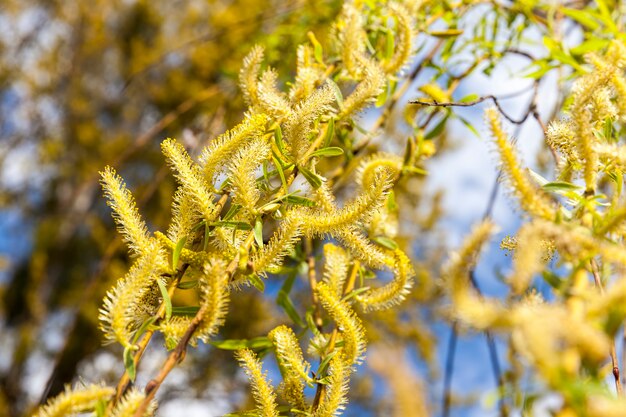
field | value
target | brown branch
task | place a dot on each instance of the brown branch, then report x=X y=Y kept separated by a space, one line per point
x=614 y=362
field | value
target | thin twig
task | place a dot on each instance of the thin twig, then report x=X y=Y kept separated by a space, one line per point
x=613 y=354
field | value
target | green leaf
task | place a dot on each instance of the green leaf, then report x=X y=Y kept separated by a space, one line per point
x=101 y=406
x=177 y=250
x=414 y=170
x=560 y=186
x=185 y=310
x=187 y=285
x=447 y=33
x=330 y=151
x=258 y=232
x=468 y=125
x=281 y=173
x=389 y=44
x=437 y=130
x=129 y=363
x=144 y=326
x=385 y=242
x=318 y=51
x=231 y=224
x=283 y=300
x=324 y=363
x=330 y=132
x=166 y=299
x=337 y=91
x=236 y=344
x=581 y=16
x=311 y=177
x=278 y=139
x=257 y=282
x=469 y=98
x=299 y=201
x=232 y=211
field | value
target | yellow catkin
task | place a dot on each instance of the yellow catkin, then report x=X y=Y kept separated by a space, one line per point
x=294 y=368
x=336 y=392
x=299 y=123
x=262 y=391
x=127 y=304
x=271 y=100
x=531 y=199
x=226 y=145
x=335 y=267
x=403 y=39
x=73 y=401
x=130 y=403
x=243 y=174
x=318 y=222
x=190 y=177
x=366 y=91
x=395 y=291
x=129 y=221
x=347 y=321
x=270 y=256
x=249 y=74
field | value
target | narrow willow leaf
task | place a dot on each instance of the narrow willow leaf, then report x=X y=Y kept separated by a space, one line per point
x=185 y=310
x=176 y=253
x=166 y=299
x=311 y=177
x=278 y=139
x=129 y=363
x=337 y=91
x=236 y=344
x=330 y=151
x=299 y=201
x=232 y=224
x=281 y=173
x=447 y=33
x=187 y=285
x=257 y=282
x=232 y=211
x=318 y=51
x=415 y=170
x=258 y=232
x=385 y=242
x=330 y=132
x=324 y=363
x=144 y=326
x=437 y=130
x=560 y=186
x=284 y=301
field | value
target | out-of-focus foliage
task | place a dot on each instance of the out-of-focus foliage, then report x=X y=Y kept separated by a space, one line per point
x=103 y=83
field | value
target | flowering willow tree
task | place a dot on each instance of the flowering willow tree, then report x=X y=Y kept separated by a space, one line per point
x=303 y=195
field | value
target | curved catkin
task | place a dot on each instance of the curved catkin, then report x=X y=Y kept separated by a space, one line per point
x=318 y=222
x=129 y=221
x=270 y=256
x=124 y=307
x=362 y=248
x=130 y=403
x=226 y=145
x=370 y=166
x=190 y=177
x=351 y=37
x=214 y=298
x=242 y=174
x=366 y=91
x=395 y=291
x=184 y=217
x=347 y=321
x=336 y=262
x=263 y=393
x=403 y=39
x=74 y=400
x=249 y=75
x=336 y=393
x=531 y=199
x=271 y=100
x=294 y=369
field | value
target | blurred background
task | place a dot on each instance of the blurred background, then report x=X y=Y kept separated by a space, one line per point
x=89 y=84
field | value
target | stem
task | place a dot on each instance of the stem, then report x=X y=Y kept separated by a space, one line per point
x=612 y=353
